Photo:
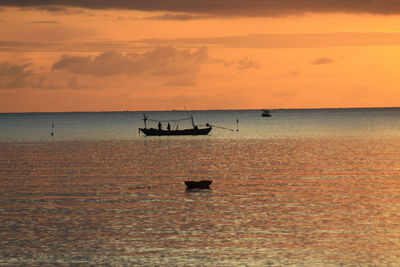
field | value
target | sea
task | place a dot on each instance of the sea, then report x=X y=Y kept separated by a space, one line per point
x=305 y=187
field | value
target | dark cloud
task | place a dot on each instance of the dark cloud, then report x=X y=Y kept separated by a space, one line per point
x=53 y=8
x=15 y=70
x=160 y=61
x=58 y=9
x=322 y=61
x=17 y=82
x=226 y=7
x=169 y=16
x=15 y=75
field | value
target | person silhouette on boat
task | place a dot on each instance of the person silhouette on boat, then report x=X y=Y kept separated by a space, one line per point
x=169 y=127
x=159 y=125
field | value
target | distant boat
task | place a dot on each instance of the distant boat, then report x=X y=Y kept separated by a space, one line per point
x=169 y=132
x=203 y=184
x=266 y=113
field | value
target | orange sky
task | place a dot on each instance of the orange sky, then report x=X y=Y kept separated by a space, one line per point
x=95 y=56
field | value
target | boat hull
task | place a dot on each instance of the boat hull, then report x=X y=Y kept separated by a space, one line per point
x=203 y=184
x=157 y=132
x=265 y=113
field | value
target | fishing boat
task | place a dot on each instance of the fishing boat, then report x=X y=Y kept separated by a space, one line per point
x=196 y=130
x=266 y=113
x=203 y=184
x=161 y=132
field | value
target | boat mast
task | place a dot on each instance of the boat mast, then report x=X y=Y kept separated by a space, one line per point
x=191 y=116
x=145 y=120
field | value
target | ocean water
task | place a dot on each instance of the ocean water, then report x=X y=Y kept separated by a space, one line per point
x=302 y=188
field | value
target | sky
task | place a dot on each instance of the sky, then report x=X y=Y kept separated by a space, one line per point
x=101 y=55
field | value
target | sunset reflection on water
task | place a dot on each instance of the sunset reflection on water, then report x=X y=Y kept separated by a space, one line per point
x=278 y=202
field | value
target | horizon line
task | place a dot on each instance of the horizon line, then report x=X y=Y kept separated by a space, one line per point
x=184 y=110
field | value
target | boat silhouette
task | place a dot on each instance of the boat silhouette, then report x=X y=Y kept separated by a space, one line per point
x=266 y=113
x=203 y=184
x=196 y=130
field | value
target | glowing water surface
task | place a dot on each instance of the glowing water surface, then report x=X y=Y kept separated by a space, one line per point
x=303 y=188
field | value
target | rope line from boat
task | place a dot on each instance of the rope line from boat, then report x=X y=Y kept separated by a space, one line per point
x=225 y=128
x=216 y=126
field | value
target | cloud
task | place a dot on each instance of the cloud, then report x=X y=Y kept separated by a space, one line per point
x=241 y=64
x=16 y=75
x=160 y=61
x=245 y=64
x=17 y=82
x=73 y=83
x=271 y=41
x=181 y=17
x=44 y=22
x=58 y=9
x=167 y=66
x=262 y=41
x=322 y=61
x=15 y=70
x=226 y=7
